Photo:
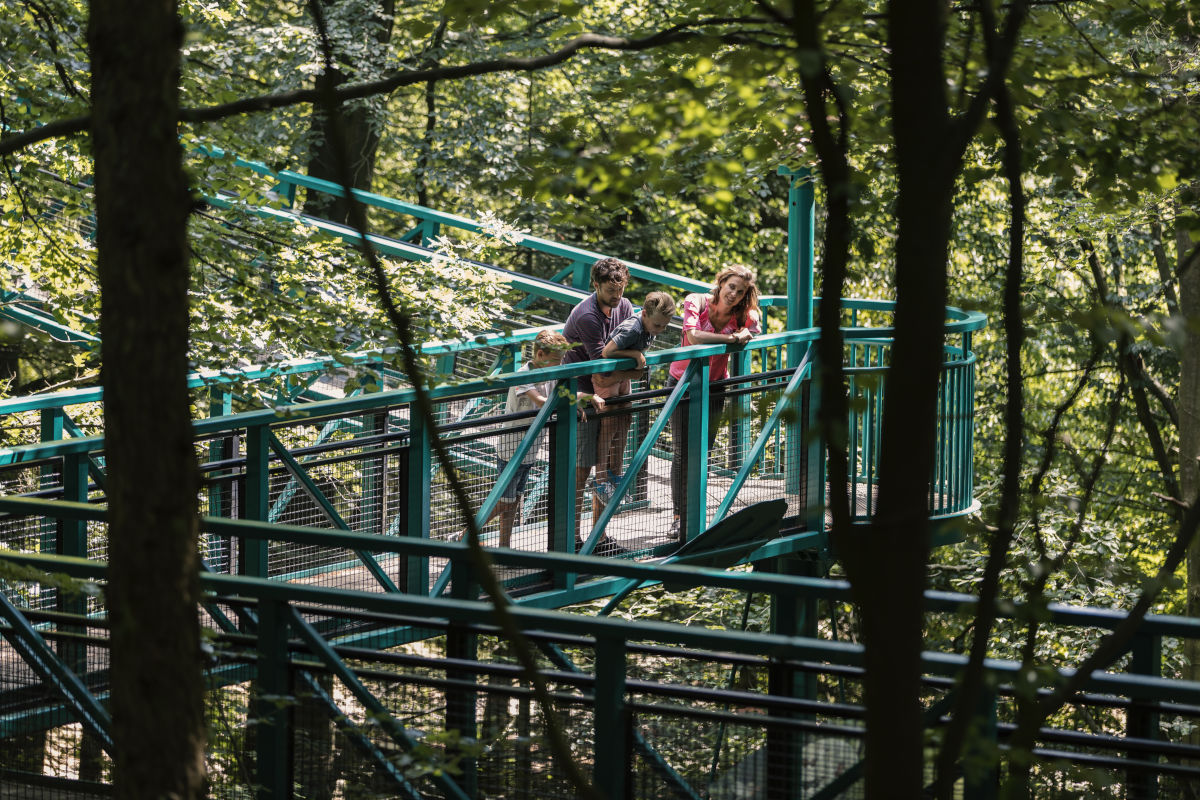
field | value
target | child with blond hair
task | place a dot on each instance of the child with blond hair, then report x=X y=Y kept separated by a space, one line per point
x=548 y=350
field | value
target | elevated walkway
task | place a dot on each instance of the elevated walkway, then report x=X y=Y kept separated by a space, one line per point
x=335 y=580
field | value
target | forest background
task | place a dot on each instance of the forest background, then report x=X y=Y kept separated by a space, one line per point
x=654 y=133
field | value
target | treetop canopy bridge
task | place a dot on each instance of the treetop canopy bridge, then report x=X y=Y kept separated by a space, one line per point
x=352 y=653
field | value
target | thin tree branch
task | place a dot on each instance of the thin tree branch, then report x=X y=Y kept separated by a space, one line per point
x=1116 y=643
x=999 y=50
x=1164 y=267
x=401 y=78
x=1135 y=369
x=831 y=150
x=1014 y=423
x=1050 y=437
x=402 y=321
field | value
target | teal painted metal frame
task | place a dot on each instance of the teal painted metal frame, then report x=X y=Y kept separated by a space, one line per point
x=1136 y=686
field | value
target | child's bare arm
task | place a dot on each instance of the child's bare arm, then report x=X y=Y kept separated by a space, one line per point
x=536 y=397
x=611 y=351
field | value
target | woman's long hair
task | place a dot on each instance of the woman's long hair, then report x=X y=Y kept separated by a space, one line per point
x=749 y=300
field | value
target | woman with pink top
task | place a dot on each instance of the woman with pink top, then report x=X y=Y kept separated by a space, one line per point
x=726 y=315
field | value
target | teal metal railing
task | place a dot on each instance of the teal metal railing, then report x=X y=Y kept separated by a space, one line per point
x=363 y=463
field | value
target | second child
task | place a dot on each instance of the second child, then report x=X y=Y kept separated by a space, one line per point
x=630 y=339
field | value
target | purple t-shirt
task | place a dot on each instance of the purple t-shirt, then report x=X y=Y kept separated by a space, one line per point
x=588 y=325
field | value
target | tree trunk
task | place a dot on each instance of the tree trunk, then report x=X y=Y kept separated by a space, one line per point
x=359 y=127
x=888 y=568
x=1188 y=403
x=142 y=205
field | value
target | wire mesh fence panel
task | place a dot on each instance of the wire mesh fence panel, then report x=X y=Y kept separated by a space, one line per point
x=517 y=762
x=44 y=748
x=641 y=521
x=230 y=759
x=725 y=752
x=28 y=533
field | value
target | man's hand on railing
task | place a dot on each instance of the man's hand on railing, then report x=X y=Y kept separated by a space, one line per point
x=596 y=401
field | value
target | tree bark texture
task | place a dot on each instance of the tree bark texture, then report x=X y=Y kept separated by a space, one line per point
x=142 y=206
x=887 y=568
x=359 y=127
x=1188 y=403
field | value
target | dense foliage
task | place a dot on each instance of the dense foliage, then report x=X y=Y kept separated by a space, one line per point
x=667 y=156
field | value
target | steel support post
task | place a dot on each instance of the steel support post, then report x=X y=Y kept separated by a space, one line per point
x=564 y=435
x=415 y=578
x=981 y=773
x=72 y=541
x=611 y=721
x=254 y=560
x=72 y=533
x=581 y=275
x=51 y=431
x=271 y=705
x=814 y=457
x=789 y=617
x=801 y=227
x=696 y=468
x=1142 y=720
x=801 y=204
x=462 y=645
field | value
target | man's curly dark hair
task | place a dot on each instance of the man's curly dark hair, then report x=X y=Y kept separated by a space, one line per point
x=607 y=270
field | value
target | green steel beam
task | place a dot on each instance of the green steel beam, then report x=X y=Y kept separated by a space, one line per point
x=642 y=453
x=15 y=308
x=445 y=219
x=318 y=497
x=376 y=711
x=410 y=252
x=467 y=611
x=209 y=426
x=40 y=658
x=785 y=401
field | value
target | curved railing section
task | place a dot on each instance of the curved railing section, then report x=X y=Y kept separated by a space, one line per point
x=364 y=463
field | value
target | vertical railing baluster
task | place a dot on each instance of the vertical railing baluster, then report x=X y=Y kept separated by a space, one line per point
x=256 y=552
x=696 y=468
x=609 y=718
x=271 y=704
x=562 y=522
x=739 y=424
x=414 y=569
